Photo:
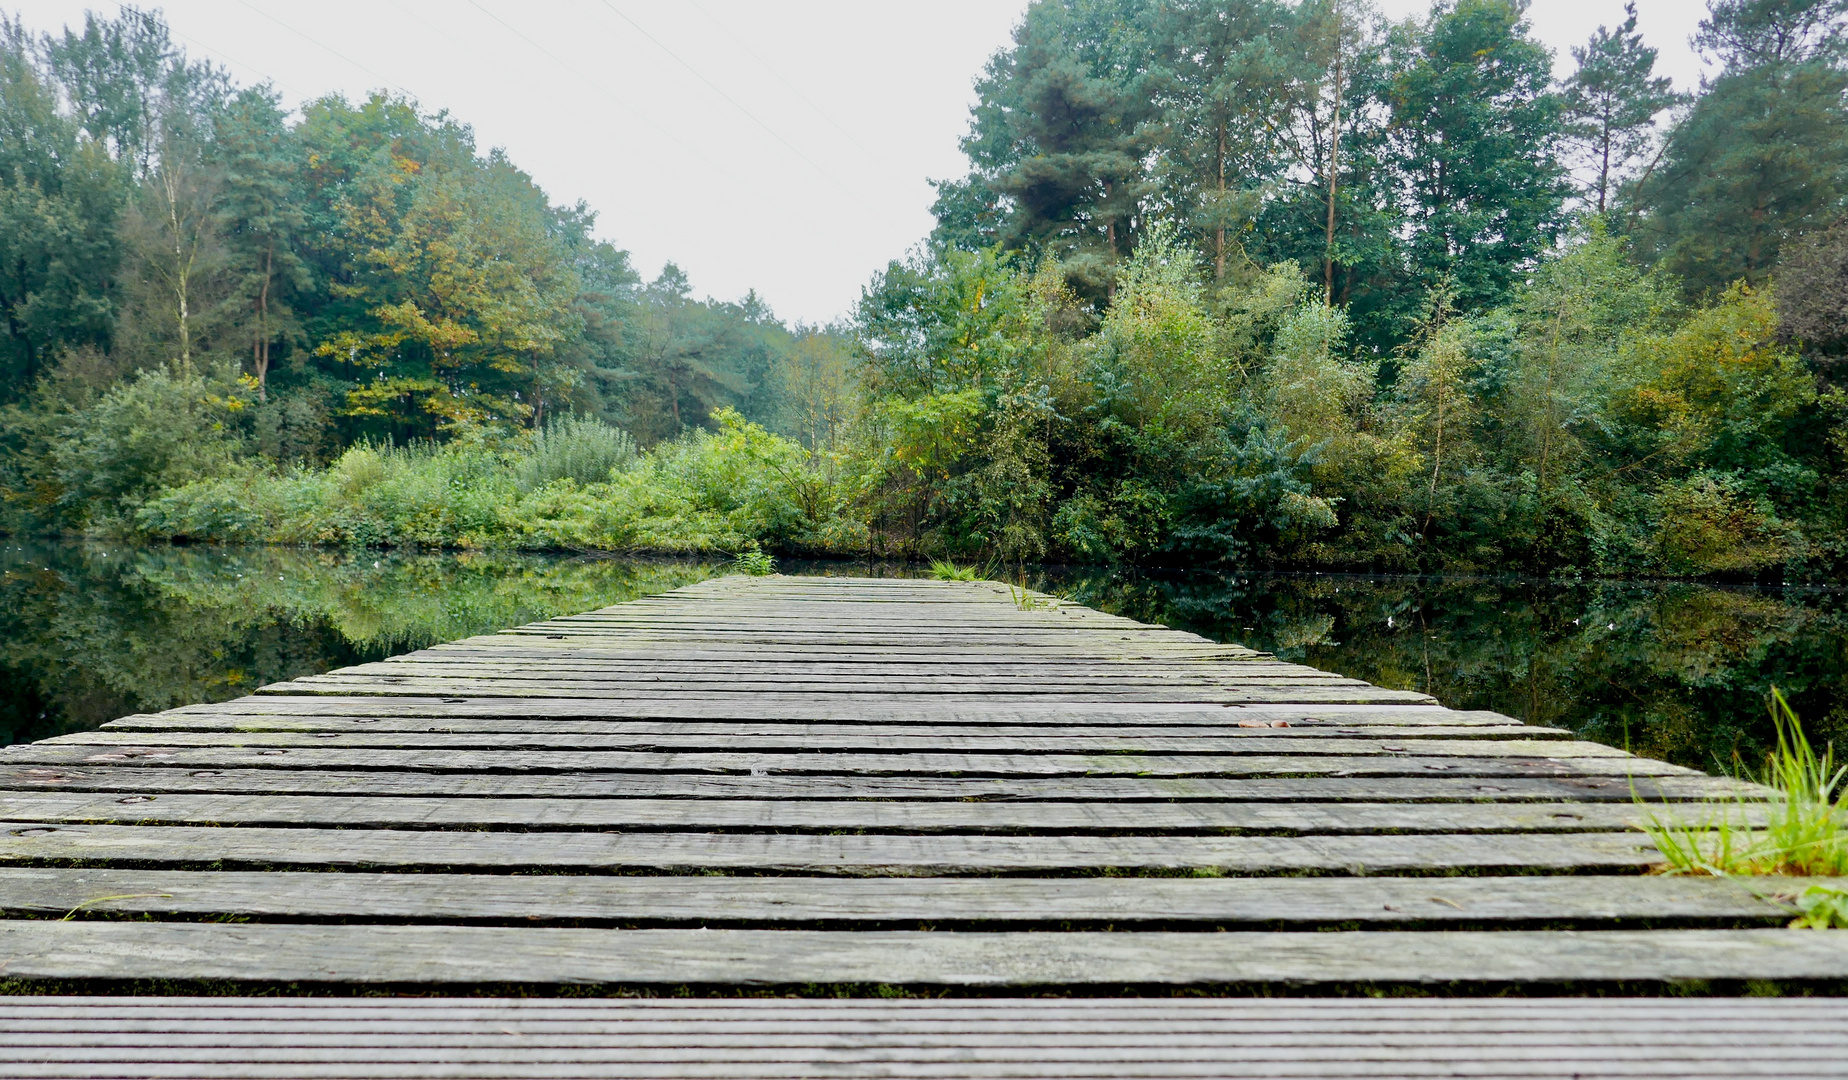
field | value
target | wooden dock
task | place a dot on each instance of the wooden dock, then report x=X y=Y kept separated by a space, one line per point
x=856 y=786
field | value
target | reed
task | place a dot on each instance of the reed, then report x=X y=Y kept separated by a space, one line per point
x=945 y=570
x=1804 y=813
x=753 y=561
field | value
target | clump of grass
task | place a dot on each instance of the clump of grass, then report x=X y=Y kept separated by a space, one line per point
x=1805 y=830
x=1027 y=600
x=582 y=448
x=945 y=570
x=753 y=561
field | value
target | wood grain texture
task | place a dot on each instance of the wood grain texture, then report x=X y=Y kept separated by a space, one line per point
x=826 y=815
x=854 y=781
x=852 y=853
x=444 y=955
x=794 y=901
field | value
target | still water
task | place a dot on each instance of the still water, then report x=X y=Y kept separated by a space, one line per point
x=89 y=632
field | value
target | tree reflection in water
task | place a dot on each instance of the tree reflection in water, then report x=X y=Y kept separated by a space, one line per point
x=92 y=632
x=1672 y=670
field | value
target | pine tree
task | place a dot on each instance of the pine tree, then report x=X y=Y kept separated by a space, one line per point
x=1762 y=154
x=1476 y=127
x=1215 y=87
x=1612 y=101
x=1058 y=140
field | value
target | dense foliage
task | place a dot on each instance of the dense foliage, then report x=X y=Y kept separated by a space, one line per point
x=1255 y=282
x=195 y=283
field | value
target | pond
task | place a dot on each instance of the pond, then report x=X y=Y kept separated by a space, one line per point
x=89 y=632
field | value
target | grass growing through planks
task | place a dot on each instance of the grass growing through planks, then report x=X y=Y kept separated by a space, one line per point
x=1805 y=831
x=945 y=570
x=753 y=561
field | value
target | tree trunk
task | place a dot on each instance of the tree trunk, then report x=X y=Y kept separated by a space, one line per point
x=182 y=266
x=1604 y=162
x=1334 y=164
x=1219 y=234
x=260 y=353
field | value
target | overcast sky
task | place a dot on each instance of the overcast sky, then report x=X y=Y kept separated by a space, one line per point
x=781 y=145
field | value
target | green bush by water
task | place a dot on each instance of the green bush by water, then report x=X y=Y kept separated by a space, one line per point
x=579 y=485
x=753 y=562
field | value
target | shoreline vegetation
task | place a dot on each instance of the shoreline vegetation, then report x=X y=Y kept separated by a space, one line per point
x=1291 y=286
x=1798 y=829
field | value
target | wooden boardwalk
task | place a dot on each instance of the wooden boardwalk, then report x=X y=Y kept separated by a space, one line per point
x=833 y=785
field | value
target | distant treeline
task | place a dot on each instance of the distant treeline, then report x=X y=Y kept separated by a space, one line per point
x=1246 y=281
x=353 y=272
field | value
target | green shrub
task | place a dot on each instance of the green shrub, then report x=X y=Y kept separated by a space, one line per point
x=753 y=562
x=161 y=429
x=583 y=449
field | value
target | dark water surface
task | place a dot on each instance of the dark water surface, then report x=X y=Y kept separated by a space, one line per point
x=1672 y=670
x=90 y=632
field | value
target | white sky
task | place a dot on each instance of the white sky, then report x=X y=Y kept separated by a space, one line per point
x=782 y=145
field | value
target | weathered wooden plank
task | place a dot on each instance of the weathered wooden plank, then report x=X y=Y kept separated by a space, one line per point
x=784 y=901
x=333 y=756
x=796 y=681
x=545 y=656
x=964 y=1067
x=488 y=1049
x=826 y=815
x=1332 y=693
x=887 y=712
x=585 y=674
x=448 y=955
x=832 y=734
x=1423 y=1015
x=861 y=742
x=855 y=853
x=280 y=781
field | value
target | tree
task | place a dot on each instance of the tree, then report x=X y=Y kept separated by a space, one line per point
x=1215 y=81
x=451 y=285
x=1762 y=154
x=1611 y=102
x=176 y=258
x=129 y=88
x=1336 y=206
x=1753 y=33
x=60 y=197
x=1058 y=138
x=1435 y=404
x=691 y=359
x=1475 y=128
x=1812 y=292
x=260 y=216
x=1574 y=318
x=816 y=387
x=1330 y=84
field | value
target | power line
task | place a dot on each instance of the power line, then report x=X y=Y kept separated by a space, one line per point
x=734 y=104
x=251 y=68
x=637 y=113
x=330 y=50
x=794 y=89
